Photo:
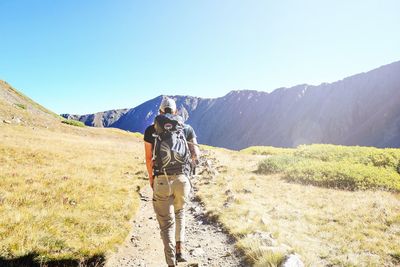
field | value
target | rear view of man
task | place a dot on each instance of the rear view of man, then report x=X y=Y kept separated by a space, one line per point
x=171 y=151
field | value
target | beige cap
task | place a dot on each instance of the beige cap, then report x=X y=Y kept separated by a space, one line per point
x=167 y=103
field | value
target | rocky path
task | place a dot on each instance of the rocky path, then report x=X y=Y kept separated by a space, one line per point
x=206 y=245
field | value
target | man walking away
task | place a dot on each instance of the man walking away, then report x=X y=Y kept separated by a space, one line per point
x=171 y=152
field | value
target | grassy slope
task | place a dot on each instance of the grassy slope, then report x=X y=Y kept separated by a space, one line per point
x=66 y=192
x=24 y=101
x=325 y=226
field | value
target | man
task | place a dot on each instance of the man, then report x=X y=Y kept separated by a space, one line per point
x=170 y=190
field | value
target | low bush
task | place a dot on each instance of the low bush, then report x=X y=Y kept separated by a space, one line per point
x=74 y=123
x=267 y=150
x=378 y=157
x=350 y=168
x=277 y=164
x=21 y=106
x=343 y=175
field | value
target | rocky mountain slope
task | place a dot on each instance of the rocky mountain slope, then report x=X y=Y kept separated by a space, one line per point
x=363 y=109
x=99 y=119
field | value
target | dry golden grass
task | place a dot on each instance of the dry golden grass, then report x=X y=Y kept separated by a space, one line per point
x=327 y=227
x=66 y=192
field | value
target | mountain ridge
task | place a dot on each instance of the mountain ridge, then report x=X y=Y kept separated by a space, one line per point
x=362 y=109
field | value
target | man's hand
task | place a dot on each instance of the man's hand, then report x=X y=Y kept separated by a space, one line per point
x=194 y=162
x=194 y=151
x=151 y=182
x=149 y=162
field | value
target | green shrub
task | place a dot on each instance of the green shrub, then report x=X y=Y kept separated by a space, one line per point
x=22 y=106
x=343 y=175
x=350 y=168
x=388 y=157
x=74 y=123
x=277 y=164
x=267 y=150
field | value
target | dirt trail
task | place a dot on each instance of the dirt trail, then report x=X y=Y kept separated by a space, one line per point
x=206 y=243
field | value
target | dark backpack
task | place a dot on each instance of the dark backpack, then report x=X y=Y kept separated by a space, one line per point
x=171 y=152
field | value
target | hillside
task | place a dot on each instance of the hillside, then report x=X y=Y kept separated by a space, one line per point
x=363 y=109
x=17 y=108
x=66 y=193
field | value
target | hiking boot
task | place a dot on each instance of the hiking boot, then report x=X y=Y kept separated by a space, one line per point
x=180 y=258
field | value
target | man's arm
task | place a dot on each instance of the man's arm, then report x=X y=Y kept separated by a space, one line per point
x=194 y=150
x=148 y=148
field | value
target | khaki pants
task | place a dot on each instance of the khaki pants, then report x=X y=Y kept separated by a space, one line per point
x=170 y=196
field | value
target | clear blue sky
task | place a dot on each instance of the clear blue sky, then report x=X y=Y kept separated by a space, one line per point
x=77 y=56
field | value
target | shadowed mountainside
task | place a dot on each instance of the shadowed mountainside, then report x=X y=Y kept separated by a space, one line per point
x=363 y=109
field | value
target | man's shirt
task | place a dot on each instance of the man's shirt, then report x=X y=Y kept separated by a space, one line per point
x=148 y=133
